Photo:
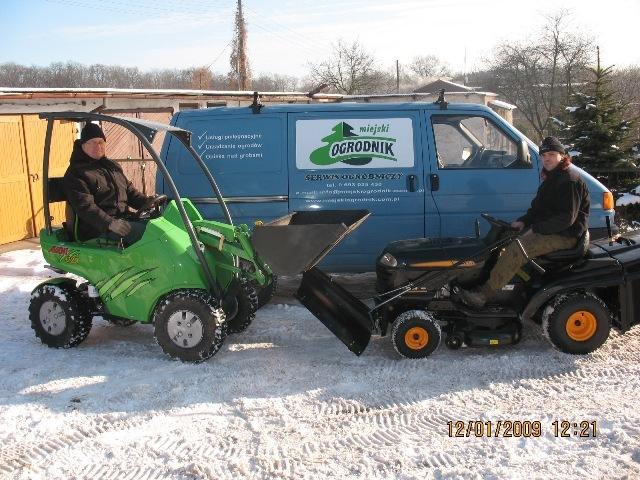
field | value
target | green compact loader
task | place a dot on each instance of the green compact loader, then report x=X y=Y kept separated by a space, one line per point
x=194 y=279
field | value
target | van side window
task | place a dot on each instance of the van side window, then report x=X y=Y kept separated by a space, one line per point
x=465 y=141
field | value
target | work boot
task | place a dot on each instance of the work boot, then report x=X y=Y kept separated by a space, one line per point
x=474 y=298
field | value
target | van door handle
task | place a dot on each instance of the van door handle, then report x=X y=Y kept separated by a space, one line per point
x=435 y=182
x=412 y=182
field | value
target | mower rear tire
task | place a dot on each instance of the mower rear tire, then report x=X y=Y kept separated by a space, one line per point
x=577 y=323
x=59 y=315
x=245 y=305
x=189 y=326
x=415 y=334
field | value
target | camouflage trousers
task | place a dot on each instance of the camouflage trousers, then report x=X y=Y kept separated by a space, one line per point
x=512 y=260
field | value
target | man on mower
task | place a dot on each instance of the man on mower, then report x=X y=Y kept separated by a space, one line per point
x=99 y=192
x=557 y=218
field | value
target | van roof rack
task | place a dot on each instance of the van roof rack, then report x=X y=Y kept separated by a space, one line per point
x=441 y=101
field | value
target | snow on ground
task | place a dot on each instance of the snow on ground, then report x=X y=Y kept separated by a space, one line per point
x=286 y=399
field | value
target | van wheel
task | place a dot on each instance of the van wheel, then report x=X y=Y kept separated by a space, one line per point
x=415 y=334
x=59 y=316
x=241 y=310
x=577 y=323
x=188 y=326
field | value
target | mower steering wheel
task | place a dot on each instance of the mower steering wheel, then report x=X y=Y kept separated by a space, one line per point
x=143 y=213
x=495 y=221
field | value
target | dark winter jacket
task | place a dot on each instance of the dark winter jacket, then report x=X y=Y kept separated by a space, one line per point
x=561 y=205
x=98 y=192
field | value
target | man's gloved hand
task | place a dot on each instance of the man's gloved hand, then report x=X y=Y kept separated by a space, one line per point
x=152 y=202
x=517 y=225
x=120 y=227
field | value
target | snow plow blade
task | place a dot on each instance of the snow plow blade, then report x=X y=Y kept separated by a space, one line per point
x=342 y=313
x=296 y=242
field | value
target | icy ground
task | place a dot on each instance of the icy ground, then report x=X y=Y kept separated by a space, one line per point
x=288 y=400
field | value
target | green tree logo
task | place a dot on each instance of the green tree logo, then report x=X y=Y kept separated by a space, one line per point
x=343 y=145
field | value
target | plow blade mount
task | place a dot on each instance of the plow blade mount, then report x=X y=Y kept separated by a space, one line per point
x=297 y=242
x=342 y=313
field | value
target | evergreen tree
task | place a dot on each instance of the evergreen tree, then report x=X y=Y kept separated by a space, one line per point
x=596 y=132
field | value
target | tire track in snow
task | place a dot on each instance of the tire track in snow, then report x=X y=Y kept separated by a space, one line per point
x=16 y=457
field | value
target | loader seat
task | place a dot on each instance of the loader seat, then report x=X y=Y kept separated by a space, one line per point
x=571 y=254
x=58 y=194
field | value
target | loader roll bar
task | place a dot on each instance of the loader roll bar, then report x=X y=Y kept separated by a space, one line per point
x=145 y=131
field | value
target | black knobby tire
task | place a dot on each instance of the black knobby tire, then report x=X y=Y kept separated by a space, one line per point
x=266 y=293
x=415 y=334
x=245 y=306
x=188 y=326
x=59 y=315
x=577 y=323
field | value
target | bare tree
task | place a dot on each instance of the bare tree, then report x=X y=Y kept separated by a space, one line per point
x=537 y=74
x=425 y=66
x=240 y=73
x=351 y=70
x=201 y=78
x=275 y=82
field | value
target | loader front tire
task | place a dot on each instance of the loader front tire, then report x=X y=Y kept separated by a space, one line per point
x=577 y=323
x=415 y=334
x=59 y=316
x=189 y=326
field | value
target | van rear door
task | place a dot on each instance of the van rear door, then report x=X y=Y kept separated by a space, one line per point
x=342 y=159
x=475 y=168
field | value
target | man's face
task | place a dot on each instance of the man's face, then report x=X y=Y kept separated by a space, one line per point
x=551 y=160
x=96 y=148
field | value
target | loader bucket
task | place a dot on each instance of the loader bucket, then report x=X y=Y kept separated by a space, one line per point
x=296 y=242
x=342 y=313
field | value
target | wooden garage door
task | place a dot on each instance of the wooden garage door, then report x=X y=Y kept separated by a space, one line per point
x=16 y=216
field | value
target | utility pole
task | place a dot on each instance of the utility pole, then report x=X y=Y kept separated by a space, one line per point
x=397 y=76
x=239 y=59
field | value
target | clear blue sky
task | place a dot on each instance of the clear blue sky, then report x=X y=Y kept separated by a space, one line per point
x=285 y=35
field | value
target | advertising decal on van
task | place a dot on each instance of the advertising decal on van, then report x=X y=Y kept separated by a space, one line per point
x=354 y=143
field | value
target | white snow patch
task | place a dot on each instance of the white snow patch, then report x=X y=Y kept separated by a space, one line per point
x=285 y=399
x=574 y=153
x=627 y=199
x=572 y=109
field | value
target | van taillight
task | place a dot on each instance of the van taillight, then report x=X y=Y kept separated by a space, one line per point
x=607 y=201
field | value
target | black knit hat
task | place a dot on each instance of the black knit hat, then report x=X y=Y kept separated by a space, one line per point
x=91 y=130
x=551 y=144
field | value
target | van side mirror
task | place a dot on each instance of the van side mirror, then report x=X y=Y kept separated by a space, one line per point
x=523 y=153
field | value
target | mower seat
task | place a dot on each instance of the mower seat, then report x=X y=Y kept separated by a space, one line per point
x=571 y=254
x=58 y=194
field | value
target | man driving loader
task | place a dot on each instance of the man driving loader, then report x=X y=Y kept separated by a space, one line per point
x=99 y=192
x=558 y=217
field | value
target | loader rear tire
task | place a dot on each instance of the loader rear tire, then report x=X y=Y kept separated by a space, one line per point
x=189 y=326
x=415 y=334
x=59 y=315
x=577 y=323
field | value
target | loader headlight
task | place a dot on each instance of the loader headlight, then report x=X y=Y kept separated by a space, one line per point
x=388 y=260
